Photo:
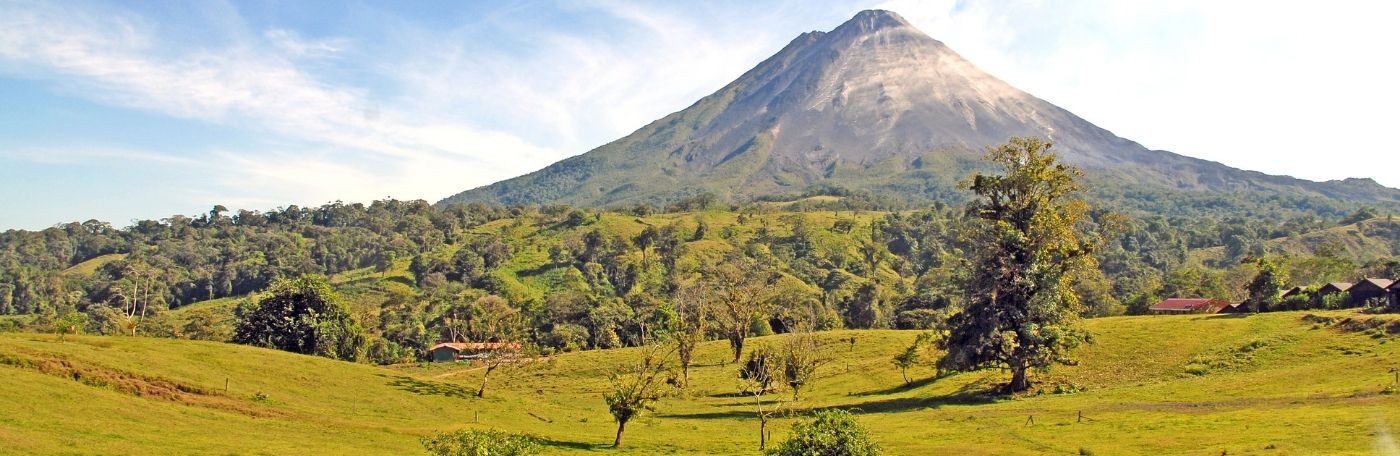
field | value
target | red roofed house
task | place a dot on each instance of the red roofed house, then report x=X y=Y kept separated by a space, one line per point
x=1368 y=289
x=452 y=351
x=1189 y=305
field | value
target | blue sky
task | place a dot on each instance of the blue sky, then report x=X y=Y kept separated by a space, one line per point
x=134 y=110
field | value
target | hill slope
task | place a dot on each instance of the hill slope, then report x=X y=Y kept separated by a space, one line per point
x=1275 y=383
x=1362 y=242
x=874 y=105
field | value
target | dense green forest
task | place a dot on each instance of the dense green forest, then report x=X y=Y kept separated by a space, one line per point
x=415 y=274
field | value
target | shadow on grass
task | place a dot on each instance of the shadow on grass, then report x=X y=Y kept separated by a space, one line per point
x=879 y=406
x=565 y=444
x=537 y=270
x=902 y=387
x=429 y=388
x=1224 y=316
x=729 y=395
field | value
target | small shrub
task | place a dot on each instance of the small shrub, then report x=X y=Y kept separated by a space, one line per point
x=259 y=397
x=829 y=433
x=759 y=326
x=1197 y=369
x=488 y=442
x=1086 y=452
x=1253 y=345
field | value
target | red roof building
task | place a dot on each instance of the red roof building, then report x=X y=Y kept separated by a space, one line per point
x=1190 y=305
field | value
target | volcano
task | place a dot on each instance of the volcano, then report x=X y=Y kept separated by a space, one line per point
x=877 y=106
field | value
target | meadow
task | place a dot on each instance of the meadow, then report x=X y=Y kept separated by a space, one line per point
x=1278 y=383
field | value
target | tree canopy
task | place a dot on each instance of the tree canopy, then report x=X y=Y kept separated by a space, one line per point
x=302 y=315
x=1021 y=308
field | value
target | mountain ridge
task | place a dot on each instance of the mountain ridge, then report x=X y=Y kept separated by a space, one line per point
x=873 y=105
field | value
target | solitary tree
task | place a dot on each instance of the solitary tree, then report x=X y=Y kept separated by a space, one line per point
x=645 y=240
x=756 y=378
x=635 y=388
x=496 y=323
x=691 y=315
x=910 y=357
x=71 y=322
x=800 y=354
x=1021 y=310
x=739 y=290
x=302 y=315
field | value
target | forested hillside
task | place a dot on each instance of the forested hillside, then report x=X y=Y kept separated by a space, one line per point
x=413 y=274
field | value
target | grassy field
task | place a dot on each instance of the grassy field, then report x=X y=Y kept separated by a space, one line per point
x=1266 y=384
x=90 y=266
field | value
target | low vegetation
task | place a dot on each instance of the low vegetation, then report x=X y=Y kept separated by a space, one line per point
x=1129 y=393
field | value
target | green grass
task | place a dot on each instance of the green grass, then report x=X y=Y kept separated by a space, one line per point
x=1272 y=384
x=90 y=266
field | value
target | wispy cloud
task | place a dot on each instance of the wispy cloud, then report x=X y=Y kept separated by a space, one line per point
x=91 y=155
x=1260 y=85
x=403 y=106
x=458 y=114
x=117 y=60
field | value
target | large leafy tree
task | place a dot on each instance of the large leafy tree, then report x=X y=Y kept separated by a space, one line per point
x=302 y=315
x=1021 y=311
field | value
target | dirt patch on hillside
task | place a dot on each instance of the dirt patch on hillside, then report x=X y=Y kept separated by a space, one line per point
x=138 y=385
x=1374 y=326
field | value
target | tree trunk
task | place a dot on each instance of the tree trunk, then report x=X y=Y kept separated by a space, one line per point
x=905 y=373
x=762 y=433
x=617 y=442
x=482 y=392
x=1019 y=381
x=736 y=342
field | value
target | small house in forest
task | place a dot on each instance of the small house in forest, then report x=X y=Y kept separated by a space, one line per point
x=1290 y=293
x=1334 y=287
x=1236 y=308
x=1189 y=305
x=453 y=351
x=1394 y=294
x=1368 y=289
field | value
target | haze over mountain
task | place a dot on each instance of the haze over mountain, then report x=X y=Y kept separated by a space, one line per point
x=875 y=105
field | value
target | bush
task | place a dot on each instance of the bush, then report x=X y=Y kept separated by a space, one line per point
x=830 y=433
x=918 y=319
x=759 y=327
x=481 y=443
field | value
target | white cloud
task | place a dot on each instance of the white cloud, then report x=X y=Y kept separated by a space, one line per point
x=1281 y=87
x=427 y=113
x=291 y=43
x=90 y=155
x=114 y=59
x=576 y=91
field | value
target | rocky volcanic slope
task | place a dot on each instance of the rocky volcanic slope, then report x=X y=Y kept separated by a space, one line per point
x=873 y=105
